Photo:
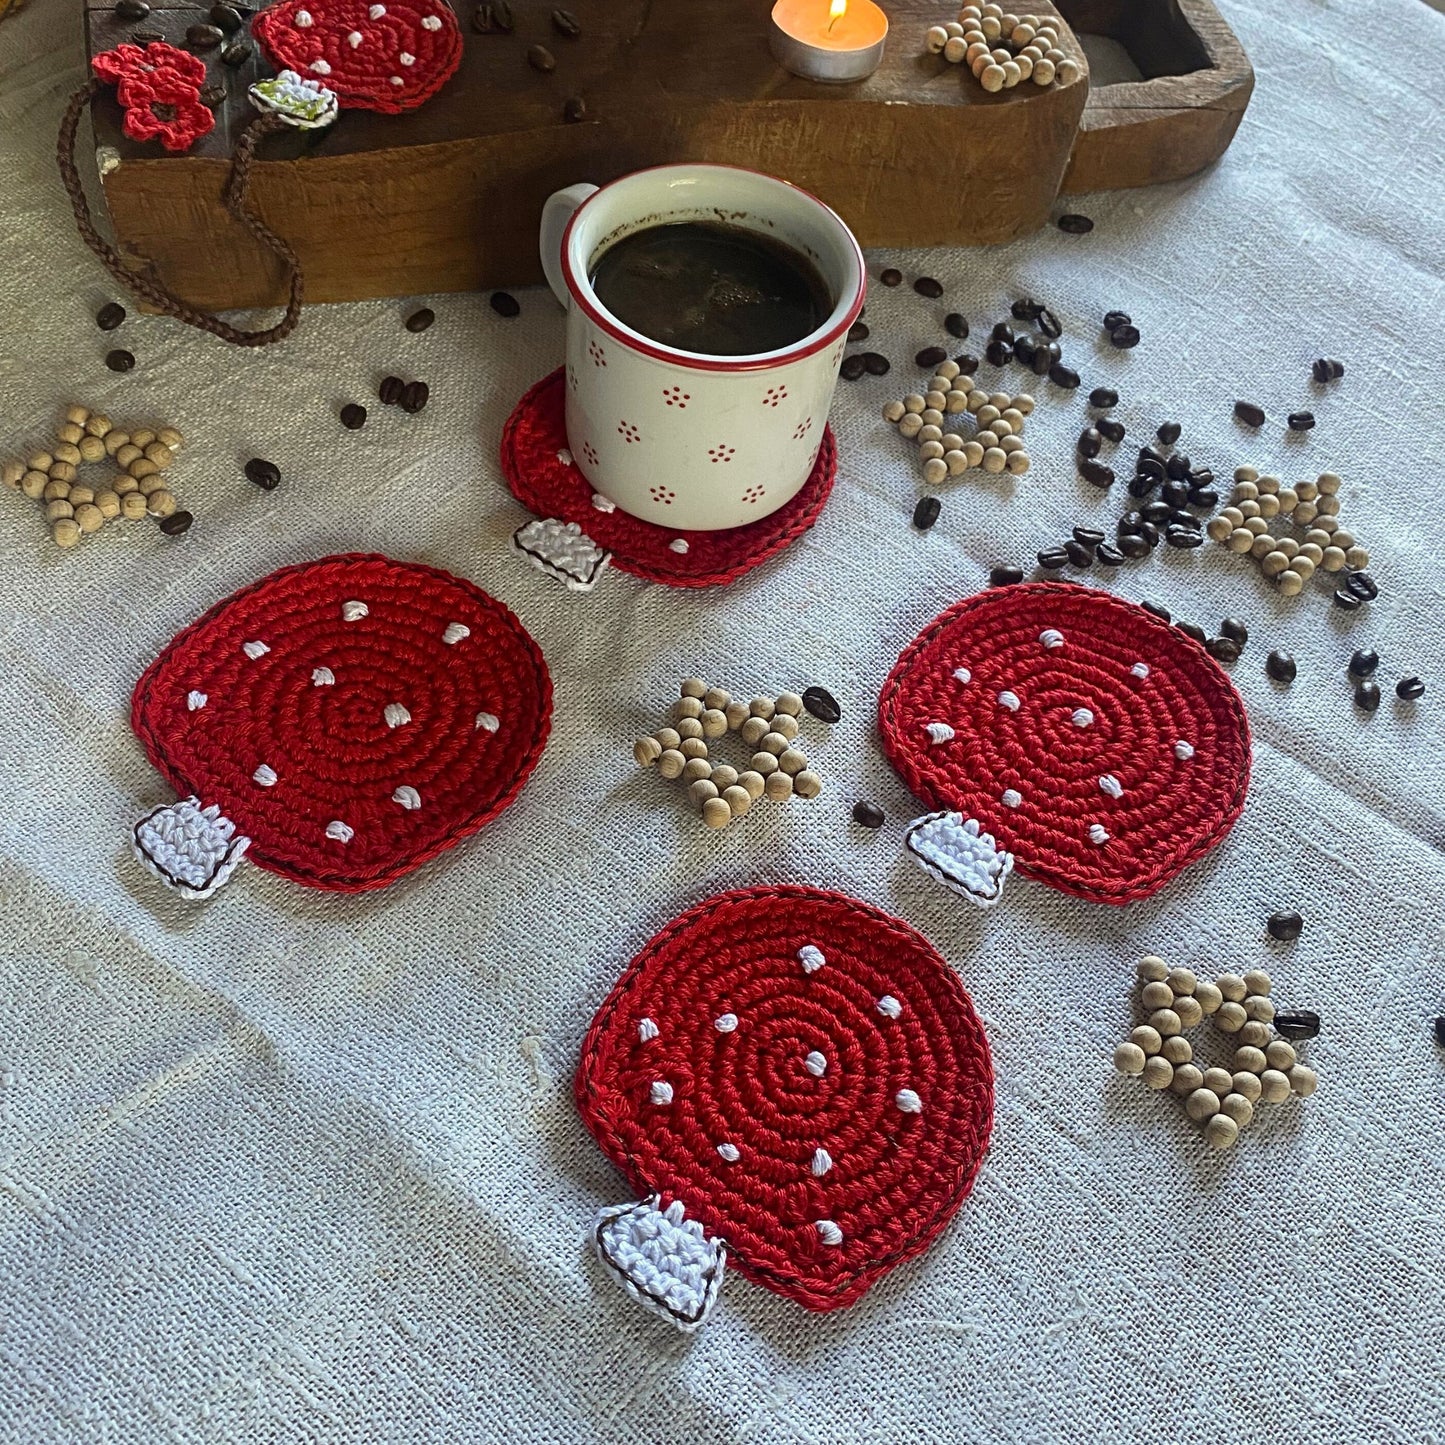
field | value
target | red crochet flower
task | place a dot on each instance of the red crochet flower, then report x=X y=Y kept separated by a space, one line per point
x=159 y=87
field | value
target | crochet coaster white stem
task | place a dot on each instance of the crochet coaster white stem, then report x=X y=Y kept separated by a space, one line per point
x=960 y=855
x=662 y=1259
x=191 y=849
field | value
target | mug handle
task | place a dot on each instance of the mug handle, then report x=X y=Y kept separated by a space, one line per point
x=557 y=210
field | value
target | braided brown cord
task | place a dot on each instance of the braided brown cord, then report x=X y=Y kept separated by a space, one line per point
x=235 y=197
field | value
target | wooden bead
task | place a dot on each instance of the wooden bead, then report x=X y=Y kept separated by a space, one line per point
x=1218 y=1081
x=1157 y=995
x=1239 y=540
x=1187 y=1078
x=1043 y=73
x=1165 y=1021
x=1333 y=559
x=774 y=743
x=69 y=433
x=1274 y=563
x=754 y=730
x=1260 y=1008
x=724 y=775
x=934 y=39
x=1232 y=986
x=995 y=459
x=1221 y=1132
x=911 y=425
x=716 y=813
x=1147 y=1038
x=1012 y=74
x=1306 y=512
x=686 y=707
x=737 y=714
x=807 y=784
x=1178 y=1050
x=778 y=787
x=1248 y=1085
x=1328 y=483
x=670 y=762
x=738 y=799
x=1153 y=969
x=1249 y=1060
x=992 y=78
x=39 y=462
x=1158 y=1072
x=792 y=761
x=690 y=686
x=1357 y=558
x=64 y=532
x=143 y=438
x=88 y=517
x=11 y=473
x=935 y=471
x=764 y=763
x=33 y=484
x=1202 y=1104
x=930 y=451
x=1129 y=1059
x=127 y=454
x=1281 y=1055
x=1018 y=463
x=80 y=494
x=893 y=411
x=716 y=697
x=1066 y=71
x=64 y=452
x=99 y=426
x=92 y=449
x=55 y=490
x=786 y=725
x=689 y=747
x=763 y=707
x=78 y=415
x=696 y=768
x=913 y=403
x=1263 y=546
x=1256 y=526
x=1304 y=1081
x=1189 y=1011
x=689 y=727
x=58 y=509
x=1273 y=1086
x=1254 y=1033
x=753 y=782
x=956 y=462
x=700 y=790
x=1207 y=996
x=1268 y=506
x=1257 y=981
x=973 y=453
x=1238 y=1108
x=668 y=737
x=714 y=723
x=987 y=413
x=124 y=484
x=133 y=507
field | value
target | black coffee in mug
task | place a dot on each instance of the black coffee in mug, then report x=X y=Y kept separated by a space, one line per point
x=712 y=288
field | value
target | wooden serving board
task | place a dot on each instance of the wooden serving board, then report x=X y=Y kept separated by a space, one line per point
x=448 y=197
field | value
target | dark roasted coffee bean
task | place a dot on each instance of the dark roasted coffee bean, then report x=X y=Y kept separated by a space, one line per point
x=931 y=356
x=891 y=277
x=1320 y=370
x=237 y=53
x=226 y=18
x=1150 y=453
x=1002 y=331
x=1149 y=531
x=564 y=22
x=956 y=325
x=1089 y=442
x=1025 y=350
x=1223 y=649
x=1177 y=467
x=1203 y=497
x=1281 y=666
x=1346 y=601
x=1073 y=224
x=867 y=815
x=1157 y=608
x=1110 y=428
x=176 y=523
x=1178 y=517
x=1056 y=352
x=1128 y=524
x=266 y=475
x=1174 y=494
x=1040 y=361
x=1079 y=555
x=1125 y=338
x=1103 y=396
x=875 y=363
x=1096 y=473
x=1191 y=629
x=213 y=95
x=965 y=363
x=1168 y=432
x=204 y=37
x=859 y=331
x=1201 y=477
x=493 y=18
x=420 y=320
x=1183 y=537
x=131 y=10
x=1053 y=559
x=925 y=514
x=1133 y=545
x=852 y=367
x=1113 y=320
x=1148 y=467
x=1367 y=696
x=574 y=110
x=927 y=286
x=1295 y=1024
x=1363 y=662
x=147 y=37
x=390 y=390
x=1363 y=586
x=822 y=704
x=119 y=360
x=1155 y=512
x=1234 y=629
x=998 y=353
x=1410 y=688
x=1005 y=575
x=541 y=59
x=1089 y=536
x=353 y=416
x=1141 y=486
x=1249 y=413
x=1301 y=420
x=1025 y=309
x=1050 y=325
x=1285 y=925
x=1064 y=376
x=415 y=396
x=110 y=316
x=1107 y=556
x=504 y=303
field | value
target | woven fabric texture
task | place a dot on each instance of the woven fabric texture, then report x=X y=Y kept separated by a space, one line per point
x=396 y=701
x=291 y=1166
x=536 y=465
x=805 y=1074
x=1102 y=747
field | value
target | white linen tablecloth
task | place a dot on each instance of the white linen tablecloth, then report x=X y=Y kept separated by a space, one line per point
x=295 y=1166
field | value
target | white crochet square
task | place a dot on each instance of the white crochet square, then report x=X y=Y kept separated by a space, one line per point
x=189 y=848
x=562 y=550
x=662 y=1259
x=959 y=855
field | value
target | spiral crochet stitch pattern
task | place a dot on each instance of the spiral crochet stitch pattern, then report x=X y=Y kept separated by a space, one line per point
x=1102 y=747
x=352 y=717
x=540 y=473
x=804 y=1075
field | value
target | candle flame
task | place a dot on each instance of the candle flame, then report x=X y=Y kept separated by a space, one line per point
x=836 y=12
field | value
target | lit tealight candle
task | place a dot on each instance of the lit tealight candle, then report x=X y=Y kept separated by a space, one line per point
x=837 y=41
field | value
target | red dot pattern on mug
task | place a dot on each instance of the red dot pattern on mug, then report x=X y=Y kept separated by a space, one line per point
x=390 y=56
x=676 y=396
x=539 y=469
x=1103 y=748
x=354 y=716
x=805 y=1074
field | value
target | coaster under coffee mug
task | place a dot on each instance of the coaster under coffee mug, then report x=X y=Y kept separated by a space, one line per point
x=544 y=477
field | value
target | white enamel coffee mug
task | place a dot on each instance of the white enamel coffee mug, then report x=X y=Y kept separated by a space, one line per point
x=675 y=437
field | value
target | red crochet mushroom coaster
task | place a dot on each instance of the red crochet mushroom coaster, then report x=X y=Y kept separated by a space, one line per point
x=340 y=722
x=541 y=474
x=792 y=1079
x=1102 y=749
x=390 y=56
